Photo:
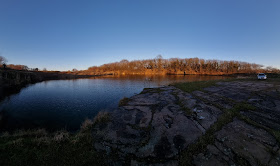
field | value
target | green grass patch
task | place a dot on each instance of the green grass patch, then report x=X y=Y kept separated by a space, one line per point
x=124 y=101
x=275 y=133
x=187 y=110
x=245 y=106
x=38 y=147
x=151 y=90
x=194 y=86
x=101 y=117
x=272 y=80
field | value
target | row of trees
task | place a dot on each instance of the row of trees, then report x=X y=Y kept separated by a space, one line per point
x=3 y=63
x=178 y=66
x=159 y=65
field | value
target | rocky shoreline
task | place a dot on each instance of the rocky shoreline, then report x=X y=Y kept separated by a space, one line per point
x=229 y=123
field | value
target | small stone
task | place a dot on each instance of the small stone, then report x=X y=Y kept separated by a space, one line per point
x=108 y=150
x=201 y=117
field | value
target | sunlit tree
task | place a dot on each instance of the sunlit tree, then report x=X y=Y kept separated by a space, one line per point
x=159 y=65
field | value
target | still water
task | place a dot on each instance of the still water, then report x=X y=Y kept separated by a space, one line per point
x=65 y=104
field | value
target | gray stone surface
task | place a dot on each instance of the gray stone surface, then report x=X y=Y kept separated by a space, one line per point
x=238 y=139
x=154 y=125
x=157 y=124
x=260 y=94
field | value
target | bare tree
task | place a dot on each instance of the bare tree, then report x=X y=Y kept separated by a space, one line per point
x=159 y=62
x=3 y=60
x=178 y=66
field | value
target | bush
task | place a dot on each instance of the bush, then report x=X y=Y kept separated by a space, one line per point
x=124 y=101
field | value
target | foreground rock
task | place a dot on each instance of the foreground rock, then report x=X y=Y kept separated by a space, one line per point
x=154 y=127
x=238 y=143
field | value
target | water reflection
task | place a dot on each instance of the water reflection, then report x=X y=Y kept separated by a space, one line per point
x=66 y=103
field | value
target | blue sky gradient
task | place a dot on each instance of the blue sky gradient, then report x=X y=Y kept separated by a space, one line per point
x=66 y=34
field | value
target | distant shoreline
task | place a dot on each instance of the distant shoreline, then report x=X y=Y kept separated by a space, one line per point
x=12 y=81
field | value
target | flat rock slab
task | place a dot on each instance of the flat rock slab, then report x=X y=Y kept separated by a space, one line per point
x=154 y=125
x=264 y=96
x=267 y=110
x=238 y=143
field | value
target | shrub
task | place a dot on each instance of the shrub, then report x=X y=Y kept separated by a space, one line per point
x=87 y=124
x=101 y=117
x=124 y=101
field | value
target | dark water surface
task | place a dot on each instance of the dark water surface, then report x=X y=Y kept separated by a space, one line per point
x=65 y=104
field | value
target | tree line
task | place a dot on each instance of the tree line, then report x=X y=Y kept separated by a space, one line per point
x=3 y=64
x=159 y=65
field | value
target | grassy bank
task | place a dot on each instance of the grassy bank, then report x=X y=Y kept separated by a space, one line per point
x=38 y=147
x=199 y=85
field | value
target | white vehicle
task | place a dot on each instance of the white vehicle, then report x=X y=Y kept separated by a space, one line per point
x=261 y=76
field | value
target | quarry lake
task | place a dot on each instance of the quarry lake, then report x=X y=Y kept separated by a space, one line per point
x=65 y=104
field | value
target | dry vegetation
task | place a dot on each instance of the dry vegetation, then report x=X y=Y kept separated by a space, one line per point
x=179 y=66
x=101 y=117
x=39 y=147
x=162 y=66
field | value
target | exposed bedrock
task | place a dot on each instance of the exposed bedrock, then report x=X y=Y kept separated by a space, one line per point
x=155 y=126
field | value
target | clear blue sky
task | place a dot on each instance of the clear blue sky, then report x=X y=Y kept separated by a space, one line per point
x=66 y=34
